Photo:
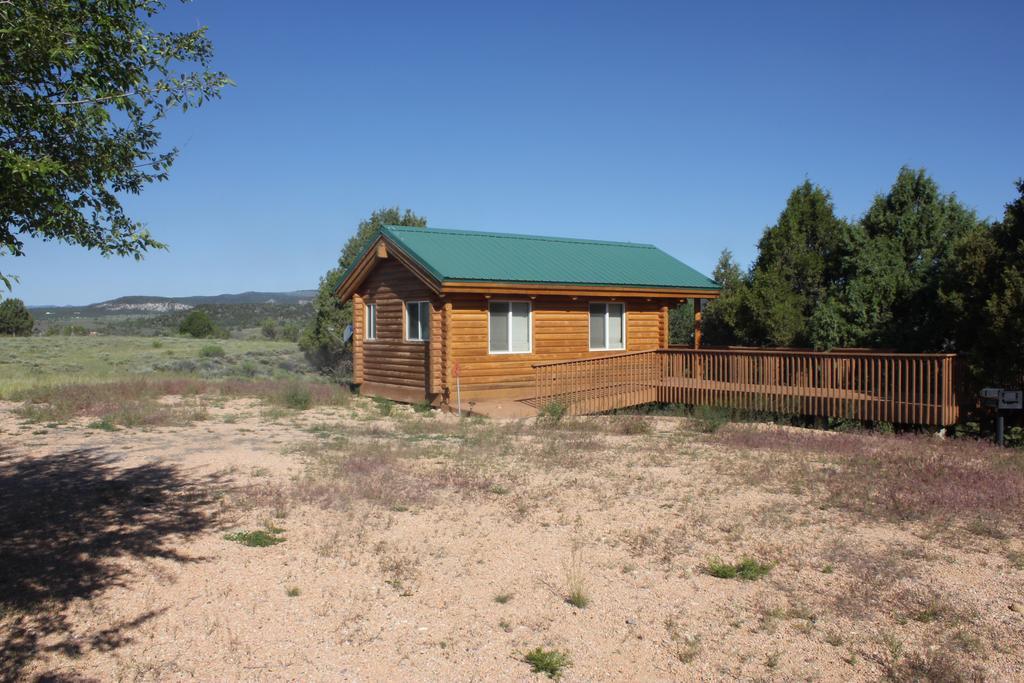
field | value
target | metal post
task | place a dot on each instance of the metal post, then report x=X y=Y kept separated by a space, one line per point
x=999 y=428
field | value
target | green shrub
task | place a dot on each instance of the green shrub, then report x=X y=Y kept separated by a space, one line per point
x=709 y=419
x=553 y=411
x=197 y=324
x=631 y=425
x=297 y=397
x=550 y=662
x=747 y=569
x=423 y=407
x=15 y=318
x=211 y=351
x=290 y=332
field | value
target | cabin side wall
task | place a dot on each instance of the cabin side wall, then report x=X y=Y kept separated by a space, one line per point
x=560 y=331
x=389 y=366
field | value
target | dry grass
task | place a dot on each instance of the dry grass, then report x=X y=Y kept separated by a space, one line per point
x=388 y=475
x=897 y=478
x=134 y=402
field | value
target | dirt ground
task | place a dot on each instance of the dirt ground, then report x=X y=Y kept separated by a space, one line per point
x=423 y=547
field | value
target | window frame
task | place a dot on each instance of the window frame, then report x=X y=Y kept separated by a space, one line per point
x=607 y=318
x=405 y=320
x=370 y=321
x=508 y=327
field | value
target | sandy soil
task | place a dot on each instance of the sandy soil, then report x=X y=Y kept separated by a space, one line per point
x=448 y=551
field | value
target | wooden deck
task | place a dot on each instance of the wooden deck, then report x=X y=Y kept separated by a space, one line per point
x=859 y=385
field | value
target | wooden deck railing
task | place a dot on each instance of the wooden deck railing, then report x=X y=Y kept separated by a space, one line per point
x=594 y=385
x=918 y=388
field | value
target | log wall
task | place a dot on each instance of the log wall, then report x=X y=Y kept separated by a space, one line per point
x=561 y=331
x=390 y=360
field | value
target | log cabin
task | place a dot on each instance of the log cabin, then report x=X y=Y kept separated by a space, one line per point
x=437 y=311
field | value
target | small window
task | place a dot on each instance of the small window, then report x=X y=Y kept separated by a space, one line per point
x=371 y=321
x=417 y=321
x=509 y=326
x=607 y=327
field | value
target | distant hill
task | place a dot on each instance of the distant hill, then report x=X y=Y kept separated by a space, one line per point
x=150 y=305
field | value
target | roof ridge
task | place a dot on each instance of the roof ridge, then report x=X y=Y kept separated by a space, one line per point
x=514 y=235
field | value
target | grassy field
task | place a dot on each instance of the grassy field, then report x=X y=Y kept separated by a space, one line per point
x=31 y=362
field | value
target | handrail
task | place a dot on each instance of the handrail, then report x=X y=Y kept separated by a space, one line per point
x=831 y=353
x=593 y=358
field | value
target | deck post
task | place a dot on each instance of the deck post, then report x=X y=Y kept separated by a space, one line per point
x=698 y=319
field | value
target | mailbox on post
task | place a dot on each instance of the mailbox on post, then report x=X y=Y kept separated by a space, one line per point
x=1002 y=399
x=1011 y=400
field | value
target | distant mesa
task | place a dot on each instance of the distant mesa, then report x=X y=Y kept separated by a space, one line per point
x=169 y=304
x=147 y=307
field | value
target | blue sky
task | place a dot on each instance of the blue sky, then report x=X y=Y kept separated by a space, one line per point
x=681 y=124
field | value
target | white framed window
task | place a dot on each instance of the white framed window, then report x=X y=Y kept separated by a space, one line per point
x=371 y=321
x=417 y=320
x=607 y=327
x=509 y=327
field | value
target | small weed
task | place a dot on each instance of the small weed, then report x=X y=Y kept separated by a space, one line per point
x=502 y=598
x=931 y=606
x=553 y=411
x=498 y=489
x=967 y=642
x=894 y=651
x=257 y=539
x=293 y=592
x=771 y=661
x=747 y=569
x=105 y=424
x=422 y=407
x=505 y=626
x=549 y=662
x=157 y=344
x=577 y=593
x=578 y=598
x=400 y=569
x=834 y=638
x=827 y=569
x=1016 y=559
x=687 y=646
x=384 y=406
x=987 y=529
x=688 y=649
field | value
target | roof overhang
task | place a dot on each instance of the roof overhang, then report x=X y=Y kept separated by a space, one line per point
x=573 y=289
x=382 y=248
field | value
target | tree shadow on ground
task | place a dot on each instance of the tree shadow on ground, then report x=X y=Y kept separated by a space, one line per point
x=65 y=521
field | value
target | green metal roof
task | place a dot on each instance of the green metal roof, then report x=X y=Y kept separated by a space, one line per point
x=468 y=256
